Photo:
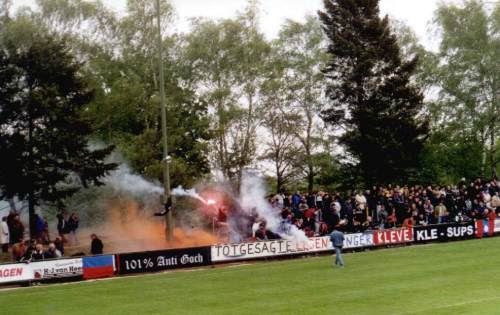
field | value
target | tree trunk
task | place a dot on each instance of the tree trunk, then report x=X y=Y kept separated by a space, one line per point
x=483 y=155
x=12 y=205
x=310 y=177
x=279 y=179
x=31 y=197
x=493 y=160
x=31 y=207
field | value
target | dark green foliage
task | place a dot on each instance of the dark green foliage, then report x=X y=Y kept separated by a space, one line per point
x=446 y=159
x=128 y=114
x=43 y=134
x=370 y=93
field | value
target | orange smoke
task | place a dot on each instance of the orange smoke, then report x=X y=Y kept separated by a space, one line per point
x=130 y=228
x=193 y=238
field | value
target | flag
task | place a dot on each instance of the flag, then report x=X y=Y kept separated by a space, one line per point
x=98 y=266
x=485 y=227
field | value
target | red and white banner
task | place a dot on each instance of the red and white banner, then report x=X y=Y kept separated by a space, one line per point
x=485 y=227
x=392 y=236
x=59 y=268
x=15 y=272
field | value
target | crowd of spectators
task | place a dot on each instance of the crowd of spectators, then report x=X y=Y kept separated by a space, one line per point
x=28 y=251
x=385 y=207
x=316 y=213
x=41 y=247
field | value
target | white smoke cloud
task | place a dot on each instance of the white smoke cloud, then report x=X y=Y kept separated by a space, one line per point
x=179 y=191
x=123 y=180
x=253 y=196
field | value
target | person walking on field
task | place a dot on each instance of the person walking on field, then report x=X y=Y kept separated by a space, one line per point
x=337 y=239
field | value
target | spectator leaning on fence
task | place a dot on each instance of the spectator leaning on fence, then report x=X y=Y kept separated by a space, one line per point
x=52 y=252
x=38 y=253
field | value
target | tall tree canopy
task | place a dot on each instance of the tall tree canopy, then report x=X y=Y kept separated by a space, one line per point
x=303 y=45
x=119 y=59
x=370 y=92
x=467 y=78
x=43 y=133
x=228 y=59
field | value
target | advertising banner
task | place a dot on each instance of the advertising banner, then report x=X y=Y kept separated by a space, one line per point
x=485 y=227
x=358 y=240
x=163 y=260
x=15 y=272
x=228 y=252
x=496 y=228
x=59 y=268
x=392 y=236
x=443 y=232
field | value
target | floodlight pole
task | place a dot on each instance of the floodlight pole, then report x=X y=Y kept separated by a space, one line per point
x=166 y=159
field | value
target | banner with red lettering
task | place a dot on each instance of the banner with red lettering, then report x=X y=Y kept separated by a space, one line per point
x=57 y=268
x=16 y=272
x=393 y=236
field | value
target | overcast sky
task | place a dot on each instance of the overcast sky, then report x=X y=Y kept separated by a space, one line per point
x=416 y=13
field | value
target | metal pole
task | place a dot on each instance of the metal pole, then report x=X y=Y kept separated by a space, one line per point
x=166 y=159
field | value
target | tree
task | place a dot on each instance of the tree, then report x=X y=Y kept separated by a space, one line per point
x=120 y=62
x=228 y=58
x=303 y=47
x=370 y=93
x=280 y=122
x=4 y=12
x=126 y=110
x=467 y=76
x=44 y=136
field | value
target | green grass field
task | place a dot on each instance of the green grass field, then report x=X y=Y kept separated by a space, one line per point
x=451 y=278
